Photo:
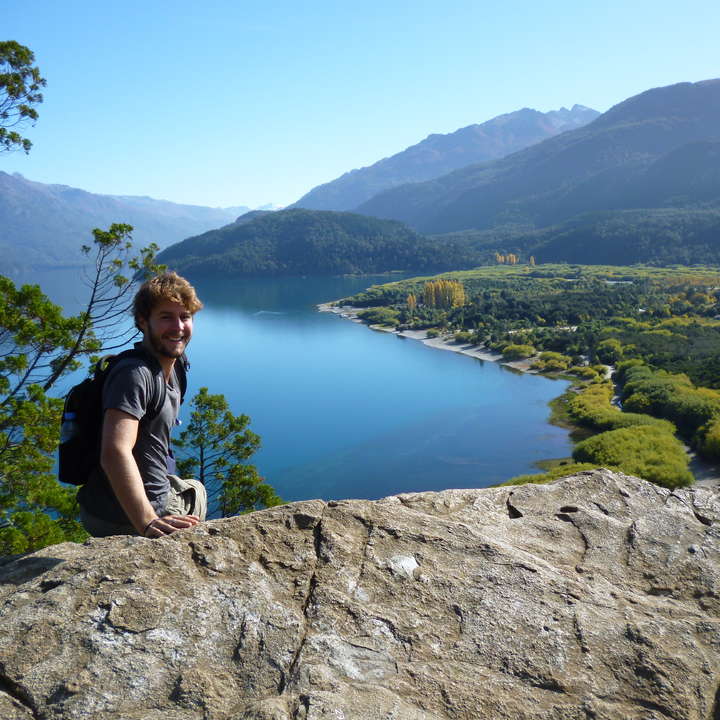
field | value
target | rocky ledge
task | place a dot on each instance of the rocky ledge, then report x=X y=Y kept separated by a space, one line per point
x=597 y=596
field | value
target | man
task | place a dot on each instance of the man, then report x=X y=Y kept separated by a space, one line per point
x=134 y=491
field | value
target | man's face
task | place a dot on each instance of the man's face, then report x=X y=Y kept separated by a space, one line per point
x=168 y=329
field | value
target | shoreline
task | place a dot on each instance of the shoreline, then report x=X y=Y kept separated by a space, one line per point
x=706 y=475
x=476 y=351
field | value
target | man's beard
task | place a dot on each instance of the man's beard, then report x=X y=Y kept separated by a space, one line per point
x=156 y=344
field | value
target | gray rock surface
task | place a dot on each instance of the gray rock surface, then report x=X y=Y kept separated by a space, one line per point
x=597 y=596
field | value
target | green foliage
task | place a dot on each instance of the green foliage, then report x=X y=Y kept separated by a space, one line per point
x=591 y=408
x=692 y=347
x=380 y=316
x=215 y=447
x=34 y=509
x=36 y=340
x=40 y=346
x=708 y=440
x=550 y=361
x=622 y=367
x=648 y=452
x=609 y=351
x=586 y=372
x=463 y=337
x=433 y=333
x=20 y=85
x=517 y=352
x=670 y=396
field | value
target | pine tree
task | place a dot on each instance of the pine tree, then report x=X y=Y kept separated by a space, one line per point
x=214 y=449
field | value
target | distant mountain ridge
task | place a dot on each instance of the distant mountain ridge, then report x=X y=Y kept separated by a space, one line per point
x=654 y=150
x=45 y=225
x=439 y=154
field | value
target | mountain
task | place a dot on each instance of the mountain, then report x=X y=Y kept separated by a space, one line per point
x=657 y=149
x=313 y=242
x=440 y=154
x=45 y=225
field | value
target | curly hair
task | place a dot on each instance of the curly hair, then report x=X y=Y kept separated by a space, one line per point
x=167 y=286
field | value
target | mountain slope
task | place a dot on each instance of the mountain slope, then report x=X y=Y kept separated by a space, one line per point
x=312 y=242
x=45 y=225
x=440 y=154
x=603 y=166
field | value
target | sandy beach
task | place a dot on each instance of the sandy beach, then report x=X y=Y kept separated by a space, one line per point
x=706 y=475
x=440 y=343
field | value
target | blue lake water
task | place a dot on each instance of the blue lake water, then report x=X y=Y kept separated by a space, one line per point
x=344 y=411
x=348 y=412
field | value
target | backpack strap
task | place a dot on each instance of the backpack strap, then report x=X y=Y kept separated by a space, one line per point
x=106 y=364
x=182 y=365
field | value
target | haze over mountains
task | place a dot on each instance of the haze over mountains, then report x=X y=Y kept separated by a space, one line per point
x=45 y=225
x=440 y=154
x=654 y=150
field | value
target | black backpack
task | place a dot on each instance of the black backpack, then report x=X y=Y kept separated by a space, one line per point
x=82 y=418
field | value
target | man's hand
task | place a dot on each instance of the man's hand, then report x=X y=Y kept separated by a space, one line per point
x=168 y=524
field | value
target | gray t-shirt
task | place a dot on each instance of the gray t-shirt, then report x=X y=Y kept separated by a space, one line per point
x=133 y=388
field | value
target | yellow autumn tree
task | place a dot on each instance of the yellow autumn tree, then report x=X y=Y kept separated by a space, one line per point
x=444 y=293
x=429 y=294
x=458 y=295
x=411 y=302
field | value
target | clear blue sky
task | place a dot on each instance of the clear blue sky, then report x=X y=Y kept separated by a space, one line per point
x=240 y=102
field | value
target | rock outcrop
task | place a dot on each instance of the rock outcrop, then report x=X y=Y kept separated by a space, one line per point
x=597 y=596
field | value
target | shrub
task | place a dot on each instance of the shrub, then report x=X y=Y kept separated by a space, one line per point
x=670 y=396
x=622 y=367
x=609 y=351
x=708 y=440
x=380 y=316
x=584 y=371
x=433 y=333
x=551 y=361
x=518 y=352
x=591 y=407
x=464 y=336
x=648 y=452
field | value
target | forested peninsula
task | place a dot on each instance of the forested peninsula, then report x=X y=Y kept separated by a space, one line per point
x=657 y=329
x=314 y=242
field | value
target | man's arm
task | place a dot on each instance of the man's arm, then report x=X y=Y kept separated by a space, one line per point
x=119 y=435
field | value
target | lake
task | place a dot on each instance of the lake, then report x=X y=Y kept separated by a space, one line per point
x=347 y=412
